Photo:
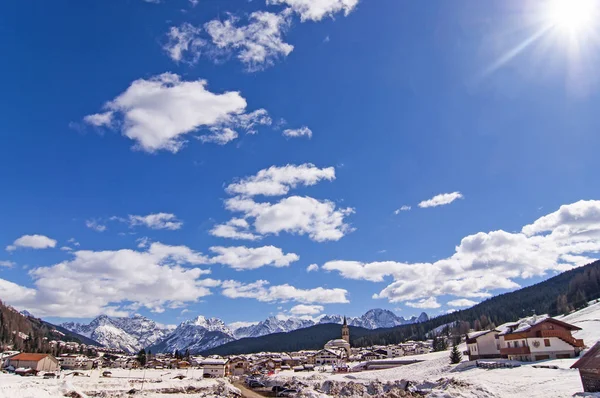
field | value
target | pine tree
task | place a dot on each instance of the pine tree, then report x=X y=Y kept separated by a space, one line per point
x=455 y=355
x=141 y=357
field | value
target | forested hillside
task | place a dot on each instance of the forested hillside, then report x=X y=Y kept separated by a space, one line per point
x=27 y=333
x=310 y=338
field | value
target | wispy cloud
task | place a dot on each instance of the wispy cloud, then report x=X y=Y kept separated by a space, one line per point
x=441 y=199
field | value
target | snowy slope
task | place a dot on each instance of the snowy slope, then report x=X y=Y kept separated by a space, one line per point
x=195 y=335
x=436 y=376
x=588 y=319
x=128 y=333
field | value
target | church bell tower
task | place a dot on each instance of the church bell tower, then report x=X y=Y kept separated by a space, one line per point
x=345 y=331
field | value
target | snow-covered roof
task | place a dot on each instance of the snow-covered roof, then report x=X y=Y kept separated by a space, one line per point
x=474 y=335
x=214 y=362
x=524 y=324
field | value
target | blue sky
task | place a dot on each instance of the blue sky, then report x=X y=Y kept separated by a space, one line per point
x=105 y=117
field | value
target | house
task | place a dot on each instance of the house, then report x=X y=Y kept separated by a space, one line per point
x=329 y=356
x=538 y=338
x=239 y=366
x=369 y=356
x=71 y=361
x=183 y=365
x=394 y=351
x=484 y=344
x=37 y=362
x=589 y=369
x=214 y=367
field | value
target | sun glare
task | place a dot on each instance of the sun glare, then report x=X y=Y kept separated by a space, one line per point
x=573 y=16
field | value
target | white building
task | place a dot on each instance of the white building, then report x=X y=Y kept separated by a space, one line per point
x=483 y=344
x=329 y=356
x=214 y=367
x=538 y=338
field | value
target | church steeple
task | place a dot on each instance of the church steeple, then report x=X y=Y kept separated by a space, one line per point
x=345 y=331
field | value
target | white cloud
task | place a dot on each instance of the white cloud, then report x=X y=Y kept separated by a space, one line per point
x=462 y=303
x=577 y=217
x=219 y=136
x=257 y=44
x=73 y=242
x=158 y=112
x=156 y=221
x=320 y=220
x=403 y=208
x=312 y=267
x=276 y=181
x=301 y=132
x=441 y=200
x=96 y=282
x=315 y=10
x=7 y=264
x=244 y=258
x=260 y=291
x=95 y=225
x=100 y=119
x=32 y=242
x=485 y=262
x=236 y=228
x=182 y=40
x=303 y=309
x=430 y=302
x=66 y=249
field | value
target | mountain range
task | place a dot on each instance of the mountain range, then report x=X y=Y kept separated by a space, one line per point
x=129 y=334
x=134 y=333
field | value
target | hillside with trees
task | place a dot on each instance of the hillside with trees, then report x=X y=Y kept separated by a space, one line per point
x=568 y=291
x=30 y=334
x=311 y=338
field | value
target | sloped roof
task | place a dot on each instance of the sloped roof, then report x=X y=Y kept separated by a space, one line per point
x=29 y=357
x=590 y=360
x=523 y=325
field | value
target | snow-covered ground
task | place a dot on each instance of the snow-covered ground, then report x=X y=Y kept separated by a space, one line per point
x=434 y=375
x=156 y=383
x=437 y=377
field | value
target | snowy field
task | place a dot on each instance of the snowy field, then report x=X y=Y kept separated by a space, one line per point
x=439 y=379
x=156 y=383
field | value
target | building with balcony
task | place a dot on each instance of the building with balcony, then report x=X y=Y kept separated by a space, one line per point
x=538 y=338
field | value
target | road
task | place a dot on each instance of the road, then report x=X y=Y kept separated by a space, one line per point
x=246 y=392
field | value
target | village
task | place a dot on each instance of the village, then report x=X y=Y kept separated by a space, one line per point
x=568 y=354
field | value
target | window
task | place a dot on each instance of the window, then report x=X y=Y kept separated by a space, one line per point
x=508 y=344
x=497 y=346
x=547 y=342
x=516 y=344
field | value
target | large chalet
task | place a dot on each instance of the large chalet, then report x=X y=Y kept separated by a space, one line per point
x=534 y=338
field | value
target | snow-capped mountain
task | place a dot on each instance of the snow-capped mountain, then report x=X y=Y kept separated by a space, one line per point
x=375 y=319
x=372 y=319
x=134 y=333
x=127 y=333
x=195 y=335
x=272 y=325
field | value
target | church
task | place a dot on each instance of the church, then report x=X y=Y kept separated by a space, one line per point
x=336 y=350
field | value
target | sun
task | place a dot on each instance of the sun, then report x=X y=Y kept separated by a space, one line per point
x=573 y=16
